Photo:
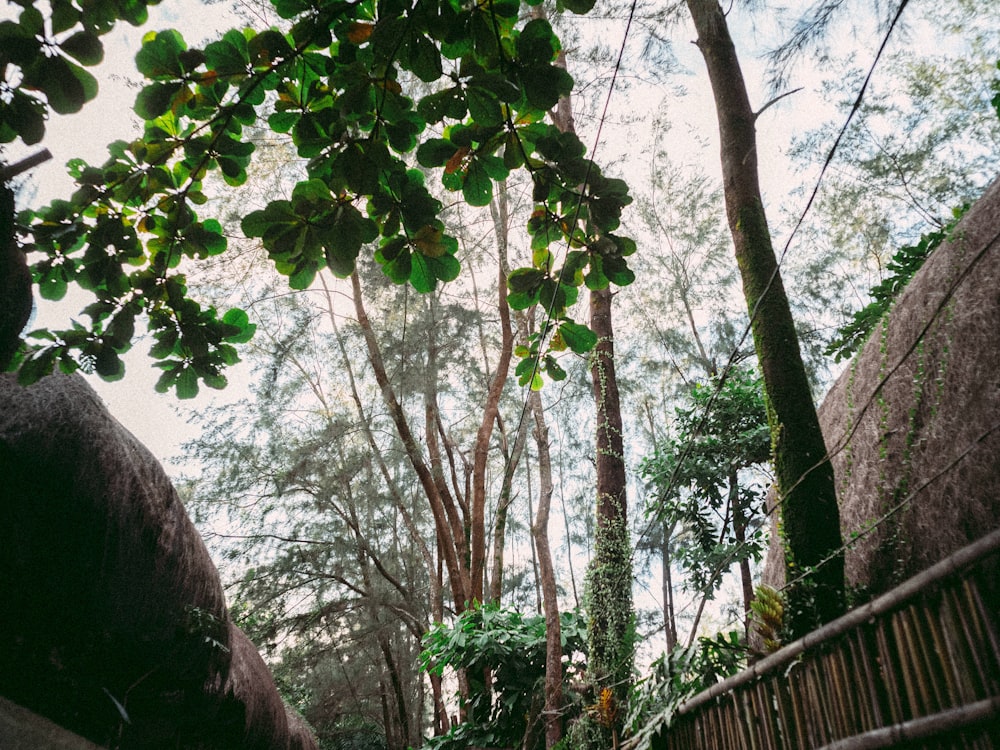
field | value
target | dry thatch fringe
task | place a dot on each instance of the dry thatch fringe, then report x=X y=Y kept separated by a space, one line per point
x=845 y=439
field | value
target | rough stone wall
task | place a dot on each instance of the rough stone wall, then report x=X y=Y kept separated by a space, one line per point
x=113 y=622
x=913 y=425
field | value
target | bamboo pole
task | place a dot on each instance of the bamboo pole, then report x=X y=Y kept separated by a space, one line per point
x=896 y=662
x=951 y=720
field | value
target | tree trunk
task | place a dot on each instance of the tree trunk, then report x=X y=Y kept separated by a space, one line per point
x=436 y=593
x=552 y=711
x=810 y=518
x=511 y=459
x=491 y=408
x=740 y=533
x=669 y=616
x=448 y=545
x=610 y=575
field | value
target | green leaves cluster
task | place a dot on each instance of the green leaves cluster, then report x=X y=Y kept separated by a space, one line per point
x=904 y=264
x=511 y=647
x=676 y=677
x=694 y=476
x=43 y=60
x=338 y=83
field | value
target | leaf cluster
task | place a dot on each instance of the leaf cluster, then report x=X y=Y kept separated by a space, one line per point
x=678 y=676
x=694 y=476
x=44 y=56
x=904 y=265
x=342 y=82
x=511 y=647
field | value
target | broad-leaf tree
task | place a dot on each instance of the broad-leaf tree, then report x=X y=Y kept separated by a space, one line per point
x=701 y=487
x=348 y=84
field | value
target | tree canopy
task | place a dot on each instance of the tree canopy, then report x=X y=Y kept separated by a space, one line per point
x=362 y=91
x=382 y=460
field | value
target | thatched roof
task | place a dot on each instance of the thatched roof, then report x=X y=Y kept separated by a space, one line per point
x=914 y=424
x=114 y=623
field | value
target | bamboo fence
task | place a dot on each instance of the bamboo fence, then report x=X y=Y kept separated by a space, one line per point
x=918 y=667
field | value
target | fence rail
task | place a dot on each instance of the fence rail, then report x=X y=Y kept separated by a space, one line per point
x=918 y=667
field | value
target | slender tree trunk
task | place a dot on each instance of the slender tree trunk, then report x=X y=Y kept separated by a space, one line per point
x=511 y=460
x=491 y=408
x=610 y=575
x=810 y=518
x=740 y=533
x=534 y=550
x=569 y=536
x=552 y=711
x=459 y=521
x=669 y=616
x=457 y=574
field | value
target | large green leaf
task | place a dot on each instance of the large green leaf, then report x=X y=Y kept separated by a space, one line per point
x=84 y=47
x=230 y=56
x=159 y=57
x=544 y=85
x=344 y=238
x=536 y=44
x=577 y=6
x=66 y=85
x=525 y=279
x=155 y=99
x=477 y=187
x=484 y=107
x=421 y=56
x=577 y=337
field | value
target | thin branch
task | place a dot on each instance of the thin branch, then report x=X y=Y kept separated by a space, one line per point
x=775 y=100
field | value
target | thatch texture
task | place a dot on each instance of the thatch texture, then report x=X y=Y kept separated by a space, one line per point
x=913 y=426
x=113 y=622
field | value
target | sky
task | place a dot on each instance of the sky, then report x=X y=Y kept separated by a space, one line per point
x=158 y=419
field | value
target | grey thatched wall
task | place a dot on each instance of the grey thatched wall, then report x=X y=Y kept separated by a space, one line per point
x=914 y=424
x=113 y=622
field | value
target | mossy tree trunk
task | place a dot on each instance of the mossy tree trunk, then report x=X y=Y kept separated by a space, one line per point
x=609 y=578
x=810 y=518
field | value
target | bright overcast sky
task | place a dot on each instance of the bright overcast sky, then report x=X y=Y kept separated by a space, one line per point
x=151 y=416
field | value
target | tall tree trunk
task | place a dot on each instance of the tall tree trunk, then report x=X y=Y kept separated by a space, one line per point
x=448 y=545
x=810 y=518
x=491 y=408
x=609 y=578
x=552 y=711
